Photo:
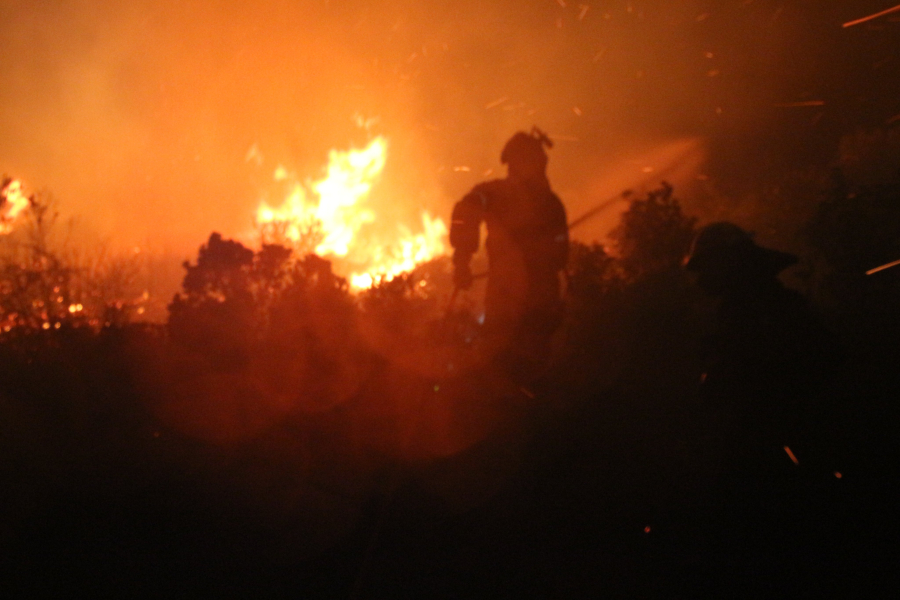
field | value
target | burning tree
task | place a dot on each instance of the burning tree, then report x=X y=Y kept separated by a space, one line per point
x=45 y=283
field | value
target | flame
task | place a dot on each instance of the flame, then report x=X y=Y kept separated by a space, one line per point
x=12 y=202
x=334 y=208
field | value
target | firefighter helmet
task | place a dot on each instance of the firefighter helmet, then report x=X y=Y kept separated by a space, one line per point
x=724 y=245
x=526 y=148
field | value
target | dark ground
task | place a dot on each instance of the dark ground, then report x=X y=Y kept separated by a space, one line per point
x=590 y=489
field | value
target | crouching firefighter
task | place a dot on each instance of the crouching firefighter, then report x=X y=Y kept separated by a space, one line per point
x=527 y=246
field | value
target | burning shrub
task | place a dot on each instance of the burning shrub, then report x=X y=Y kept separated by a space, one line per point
x=12 y=203
x=45 y=283
x=39 y=288
x=417 y=321
x=411 y=298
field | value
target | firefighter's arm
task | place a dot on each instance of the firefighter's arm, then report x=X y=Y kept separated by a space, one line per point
x=465 y=229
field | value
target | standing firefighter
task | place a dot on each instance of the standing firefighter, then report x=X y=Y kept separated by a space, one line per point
x=527 y=246
x=770 y=356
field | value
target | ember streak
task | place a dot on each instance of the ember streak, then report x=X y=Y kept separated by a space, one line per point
x=138 y=117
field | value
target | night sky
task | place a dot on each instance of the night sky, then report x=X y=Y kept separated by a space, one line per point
x=158 y=122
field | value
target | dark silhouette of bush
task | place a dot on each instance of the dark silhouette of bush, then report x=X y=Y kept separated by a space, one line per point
x=855 y=230
x=593 y=275
x=856 y=227
x=285 y=325
x=653 y=234
x=216 y=314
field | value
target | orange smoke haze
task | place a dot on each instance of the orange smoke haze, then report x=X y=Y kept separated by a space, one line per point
x=159 y=122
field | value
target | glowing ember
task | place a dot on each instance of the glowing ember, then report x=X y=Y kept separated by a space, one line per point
x=333 y=208
x=791 y=455
x=12 y=202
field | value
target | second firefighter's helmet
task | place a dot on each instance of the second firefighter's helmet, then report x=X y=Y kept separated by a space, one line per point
x=725 y=246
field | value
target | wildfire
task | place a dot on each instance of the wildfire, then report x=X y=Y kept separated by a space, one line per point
x=333 y=209
x=12 y=202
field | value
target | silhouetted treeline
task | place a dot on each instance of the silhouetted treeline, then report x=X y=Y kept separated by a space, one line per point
x=279 y=434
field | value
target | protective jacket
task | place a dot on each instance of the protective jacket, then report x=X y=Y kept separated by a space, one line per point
x=527 y=245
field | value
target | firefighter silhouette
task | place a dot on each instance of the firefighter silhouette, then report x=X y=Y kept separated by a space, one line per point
x=770 y=365
x=769 y=355
x=527 y=246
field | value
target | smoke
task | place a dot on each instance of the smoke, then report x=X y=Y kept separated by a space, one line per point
x=139 y=116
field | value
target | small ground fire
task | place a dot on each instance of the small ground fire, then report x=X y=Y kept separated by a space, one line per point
x=12 y=204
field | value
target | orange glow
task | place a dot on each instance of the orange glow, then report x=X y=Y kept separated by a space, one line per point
x=333 y=208
x=12 y=204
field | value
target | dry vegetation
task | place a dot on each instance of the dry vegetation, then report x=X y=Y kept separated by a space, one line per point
x=262 y=436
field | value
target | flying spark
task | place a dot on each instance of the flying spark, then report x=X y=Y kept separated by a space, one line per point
x=791 y=455
x=797 y=104
x=883 y=267
x=872 y=17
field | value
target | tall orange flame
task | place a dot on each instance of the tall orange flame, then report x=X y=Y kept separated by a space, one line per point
x=335 y=207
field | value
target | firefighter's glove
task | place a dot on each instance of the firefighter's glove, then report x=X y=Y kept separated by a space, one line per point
x=462 y=276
